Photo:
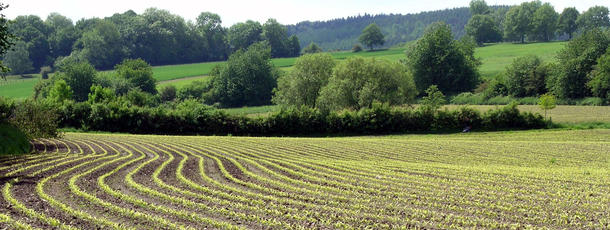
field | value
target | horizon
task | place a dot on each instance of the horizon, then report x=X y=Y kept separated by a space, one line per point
x=76 y=10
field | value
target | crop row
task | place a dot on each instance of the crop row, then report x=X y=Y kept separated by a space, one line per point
x=502 y=181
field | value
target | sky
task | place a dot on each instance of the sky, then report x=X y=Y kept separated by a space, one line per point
x=234 y=11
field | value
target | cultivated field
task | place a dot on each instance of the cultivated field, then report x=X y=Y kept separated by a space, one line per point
x=561 y=114
x=507 y=180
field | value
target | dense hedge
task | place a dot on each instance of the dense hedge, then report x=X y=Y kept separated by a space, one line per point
x=193 y=118
x=14 y=141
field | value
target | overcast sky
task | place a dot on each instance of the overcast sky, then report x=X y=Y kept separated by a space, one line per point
x=233 y=11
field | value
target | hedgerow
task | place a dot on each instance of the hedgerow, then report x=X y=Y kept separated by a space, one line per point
x=190 y=117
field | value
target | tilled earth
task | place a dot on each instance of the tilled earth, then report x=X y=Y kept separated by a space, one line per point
x=506 y=180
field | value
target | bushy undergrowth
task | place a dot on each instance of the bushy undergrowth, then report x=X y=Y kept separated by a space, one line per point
x=191 y=117
x=14 y=141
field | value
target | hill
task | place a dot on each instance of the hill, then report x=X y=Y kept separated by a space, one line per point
x=342 y=33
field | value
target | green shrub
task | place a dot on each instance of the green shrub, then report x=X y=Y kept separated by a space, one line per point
x=168 y=93
x=37 y=119
x=7 y=106
x=528 y=101
x=193 y=117
x=14 y=141
x=526 y=76
x=468 y=99
x=594 y=101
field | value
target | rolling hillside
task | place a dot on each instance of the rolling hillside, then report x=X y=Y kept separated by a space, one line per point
x=495 y=58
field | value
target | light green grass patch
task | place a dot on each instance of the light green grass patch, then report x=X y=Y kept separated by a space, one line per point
x=496 y=57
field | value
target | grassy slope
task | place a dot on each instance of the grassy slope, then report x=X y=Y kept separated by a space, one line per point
x=495 y=58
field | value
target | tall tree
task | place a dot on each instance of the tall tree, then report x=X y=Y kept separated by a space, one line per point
x=438 y=59
x=62 y=35
x=34 y=32
x=372 y=36
x=6 y=38
x=164 y=37
x=211 y=28
x=567 y=21
x=483 y=29
x=244 y=34
x=518 y=22
x=594 y=17
x=294 y=46
x=479 y=7
x=578 y=59
x=102 y=46
x=545 y=22
x=276 y=35
x=18 y=59
x=600 y=77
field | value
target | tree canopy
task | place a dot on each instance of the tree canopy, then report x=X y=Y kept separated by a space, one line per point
x=138 y=73
x=358 y=82
x=578 y=59
x=79 y=77
x=567 y=21
x=372 y=36
x=312 y=48
x=303 y=84
x=6 y=37
x=247 y=79
x=438 y=59
x=483 y=29
x=479 y=7
x=594 y=17
x=18 y=59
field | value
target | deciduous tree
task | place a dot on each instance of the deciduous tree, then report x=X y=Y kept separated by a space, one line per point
x=247 y=79
x=303 y=84
x=594 y=17
x=18 y=59
x=358 y=83
x=372 y=36
x=483 y=29
x=438 y=59
x=567 y=21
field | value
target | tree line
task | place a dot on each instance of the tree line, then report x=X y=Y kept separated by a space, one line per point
x=531 y=21
x=156 y=36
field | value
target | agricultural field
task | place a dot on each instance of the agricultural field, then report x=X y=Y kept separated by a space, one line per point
x=561 y=114
x=504 y=180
